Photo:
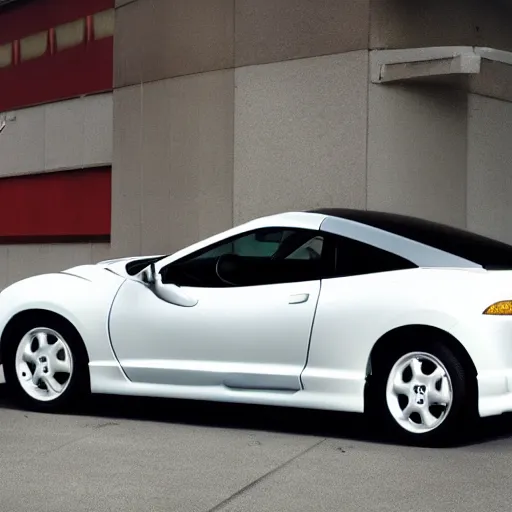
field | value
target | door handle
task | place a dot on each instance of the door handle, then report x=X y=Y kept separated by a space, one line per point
x=300 y=298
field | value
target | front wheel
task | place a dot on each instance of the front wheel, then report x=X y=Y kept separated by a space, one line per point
x=45 y=366
x=420 y=394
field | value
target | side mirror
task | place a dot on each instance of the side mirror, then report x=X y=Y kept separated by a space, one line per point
x=148 y=275
x=167 y=292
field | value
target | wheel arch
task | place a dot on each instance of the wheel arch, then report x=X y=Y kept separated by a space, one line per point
x=418 y=331
x=31 y=315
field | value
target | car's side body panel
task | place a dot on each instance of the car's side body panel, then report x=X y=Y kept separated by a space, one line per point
x=325 y=369
x=354 y=313
x=253 y=337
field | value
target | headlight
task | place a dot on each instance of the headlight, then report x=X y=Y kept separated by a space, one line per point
x=503 y=307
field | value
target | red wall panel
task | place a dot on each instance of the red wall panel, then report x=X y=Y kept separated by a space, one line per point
x=86 y=68
x=65 y=206
x=31 y=16
x=67 y=74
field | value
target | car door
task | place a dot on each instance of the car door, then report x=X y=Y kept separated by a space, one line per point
x=251 y=334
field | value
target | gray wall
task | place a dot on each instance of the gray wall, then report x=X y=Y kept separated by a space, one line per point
x=230 y=109
x=173 y=162
x=489 y=171
x=66 y=135
x=417 y=151
x=224 y=110
x=300 y=135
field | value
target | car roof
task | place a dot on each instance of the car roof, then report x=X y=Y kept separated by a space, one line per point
x=372 y=217
x=484 y=251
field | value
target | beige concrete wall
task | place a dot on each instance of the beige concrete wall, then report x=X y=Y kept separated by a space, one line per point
x=417 y=147
x=420 y=23
x=443 y=155
x=300 y=135
x=494 y=81
x=173 y=162
x=289 y=120
x=274 y=31
x=160 y=39
x=155 y=40
x=21 y=261
x=163 y=39
x=490 y=167
x=63 y=135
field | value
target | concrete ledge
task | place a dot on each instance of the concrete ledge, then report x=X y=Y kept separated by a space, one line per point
x=494 y=55
x=392 y=66
x=389 y=66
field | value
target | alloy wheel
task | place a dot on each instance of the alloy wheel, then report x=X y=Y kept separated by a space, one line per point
x=419 y=392
x=44 y=364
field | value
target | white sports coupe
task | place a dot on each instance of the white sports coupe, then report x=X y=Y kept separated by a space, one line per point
x=338 y=309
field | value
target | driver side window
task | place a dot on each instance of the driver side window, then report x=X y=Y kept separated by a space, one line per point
x=252 y=245
x=265 y=256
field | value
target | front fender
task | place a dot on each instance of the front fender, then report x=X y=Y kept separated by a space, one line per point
x=83 y=296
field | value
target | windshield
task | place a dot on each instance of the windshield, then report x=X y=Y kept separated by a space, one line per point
x=488 y=253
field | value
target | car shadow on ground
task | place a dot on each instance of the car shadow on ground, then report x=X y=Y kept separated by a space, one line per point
x=283 y=420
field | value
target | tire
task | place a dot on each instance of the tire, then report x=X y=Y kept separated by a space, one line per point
x=430 y=407
x=46 y=365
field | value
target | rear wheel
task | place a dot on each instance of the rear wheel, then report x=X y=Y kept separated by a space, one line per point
x=45 y=365
x=420 y=394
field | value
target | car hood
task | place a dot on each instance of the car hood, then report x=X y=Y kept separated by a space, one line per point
x=115 y=261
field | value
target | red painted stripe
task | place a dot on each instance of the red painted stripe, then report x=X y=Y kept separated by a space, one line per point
x=89 y=30
x=16 y=52
x=70 y=73
x=56 y=207
x=30 y=17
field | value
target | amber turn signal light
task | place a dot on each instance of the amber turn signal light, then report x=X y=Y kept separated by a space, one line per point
x=503 y=307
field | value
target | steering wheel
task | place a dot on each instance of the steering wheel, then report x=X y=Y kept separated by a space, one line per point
x=220 y=259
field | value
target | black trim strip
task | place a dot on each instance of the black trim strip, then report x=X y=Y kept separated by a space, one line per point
x=54 y=239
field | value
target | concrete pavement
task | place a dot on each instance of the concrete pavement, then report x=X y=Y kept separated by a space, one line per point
x=164 y=455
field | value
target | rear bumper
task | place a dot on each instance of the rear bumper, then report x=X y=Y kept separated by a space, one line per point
x=488 y=341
